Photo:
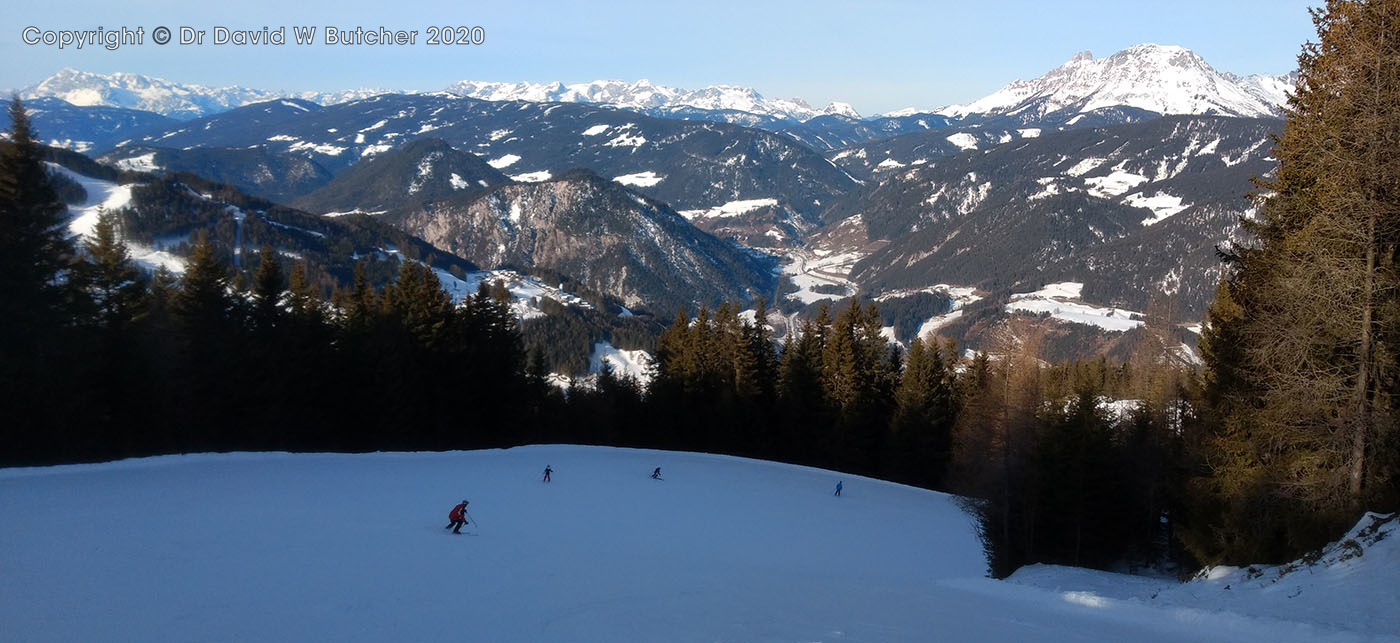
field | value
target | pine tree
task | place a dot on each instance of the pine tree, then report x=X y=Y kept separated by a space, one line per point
x=38 y=305
x=360 y=304
x=1304 y=395
x=115 y=285
x=207 y=321
x=921 y=429
x=803 y=409
x=203 y=302
x=303 y=301
x=34 y=246
x=268 y=288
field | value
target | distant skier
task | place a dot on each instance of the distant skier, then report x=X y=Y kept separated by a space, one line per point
x=458 y=516
x=547 y=471
x=838 y=488
x=656 y=475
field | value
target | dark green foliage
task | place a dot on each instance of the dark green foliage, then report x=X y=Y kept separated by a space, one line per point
x=39 y=304
x=920 y=441
x=1297 y=436
x=70 y=191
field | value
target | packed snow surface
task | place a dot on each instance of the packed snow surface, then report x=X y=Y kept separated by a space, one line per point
x=1350 y=587
x=283 y=547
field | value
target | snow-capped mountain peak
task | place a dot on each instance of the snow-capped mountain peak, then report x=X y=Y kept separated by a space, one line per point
x=841 y=109
x=1165 y=79
x=646 y=95
x=167 y=98
x=135 y=91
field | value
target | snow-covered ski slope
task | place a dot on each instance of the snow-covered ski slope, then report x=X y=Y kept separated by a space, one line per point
x=282 y=547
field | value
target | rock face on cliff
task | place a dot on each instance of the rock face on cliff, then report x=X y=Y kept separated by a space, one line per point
x=611 y=239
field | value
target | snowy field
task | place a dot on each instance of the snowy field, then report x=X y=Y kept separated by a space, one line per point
x=1061 y=302
x=279 y=547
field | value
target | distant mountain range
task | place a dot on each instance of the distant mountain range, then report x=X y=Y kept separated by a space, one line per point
x=1157 y=78
x=170 y=99
x=643 y=96
x=180 y=101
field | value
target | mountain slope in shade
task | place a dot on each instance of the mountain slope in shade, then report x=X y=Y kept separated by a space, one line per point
x=84 y=129
x=423 y=170
x=610 y=239
x=1126 y=210
x=278 y=176
x=689 y=164
x=1158 y=78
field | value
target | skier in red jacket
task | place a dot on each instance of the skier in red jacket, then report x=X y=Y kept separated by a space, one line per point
x=458 y=518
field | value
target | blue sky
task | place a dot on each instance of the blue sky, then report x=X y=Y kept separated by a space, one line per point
x=879 y=55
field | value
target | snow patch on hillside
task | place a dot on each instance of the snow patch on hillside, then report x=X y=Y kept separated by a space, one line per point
x=1085 y=166
x=142 y=163
x=633 y=364
x=504 y=162
x=319 y=148
x=960 y=297
x=730 y=209
x=963 y=140
x=1057 y=300
x=1161 y=204
x=626 y=140
x=532 y=177
x=1113 y=184
x=640 y=179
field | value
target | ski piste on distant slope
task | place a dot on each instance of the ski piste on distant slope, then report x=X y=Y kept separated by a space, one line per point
x=1164 y=79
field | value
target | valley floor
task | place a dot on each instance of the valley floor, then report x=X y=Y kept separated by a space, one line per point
x=268 y=547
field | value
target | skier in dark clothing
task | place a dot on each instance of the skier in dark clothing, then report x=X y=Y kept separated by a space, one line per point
x=458 y=516
x=656 y=475
x=838 y=488
x=547 y=471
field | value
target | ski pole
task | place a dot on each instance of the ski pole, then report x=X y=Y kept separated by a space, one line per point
x=469 y=517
